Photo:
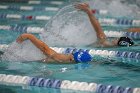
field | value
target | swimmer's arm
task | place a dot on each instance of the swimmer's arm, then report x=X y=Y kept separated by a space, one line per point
x=133 y=30
x=94 y=22
x=63 y=58
x=56 y=61
x=99 y=32
x=96 y=25
x=59 y=58
x=50 y=60
x=102 y=41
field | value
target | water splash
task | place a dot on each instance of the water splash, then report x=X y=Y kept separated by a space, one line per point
x=69 y=28
x=23 y=52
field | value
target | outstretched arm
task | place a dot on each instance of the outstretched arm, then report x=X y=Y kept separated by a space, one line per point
x=96 y=25
x=50 y=53
x=94 y=22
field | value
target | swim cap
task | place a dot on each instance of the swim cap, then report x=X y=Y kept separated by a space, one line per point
x=82 y=56
x=125 y=41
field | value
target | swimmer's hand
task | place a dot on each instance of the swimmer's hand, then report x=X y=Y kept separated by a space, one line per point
x=83 y=6
x=19 y=40
x=22 y=37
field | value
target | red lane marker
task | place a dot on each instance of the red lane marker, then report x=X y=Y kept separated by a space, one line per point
x=29 y=17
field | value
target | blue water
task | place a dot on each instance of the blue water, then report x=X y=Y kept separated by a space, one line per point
x=109 y=71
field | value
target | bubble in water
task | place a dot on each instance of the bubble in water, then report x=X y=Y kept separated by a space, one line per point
x=69 y=28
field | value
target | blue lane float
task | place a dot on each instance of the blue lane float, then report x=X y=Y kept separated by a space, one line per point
x=124 y=21
x=17 y=80
x=41 y=82
x=119 y=21
x=109 y=53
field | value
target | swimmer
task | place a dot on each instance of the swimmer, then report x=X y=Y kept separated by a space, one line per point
x=51 y=55
x=81 y=56
x=102 y=39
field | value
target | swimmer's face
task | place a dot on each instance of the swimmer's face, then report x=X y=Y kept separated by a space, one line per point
x=115 y=41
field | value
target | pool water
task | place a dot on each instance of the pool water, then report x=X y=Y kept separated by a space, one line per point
x=103 y=70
